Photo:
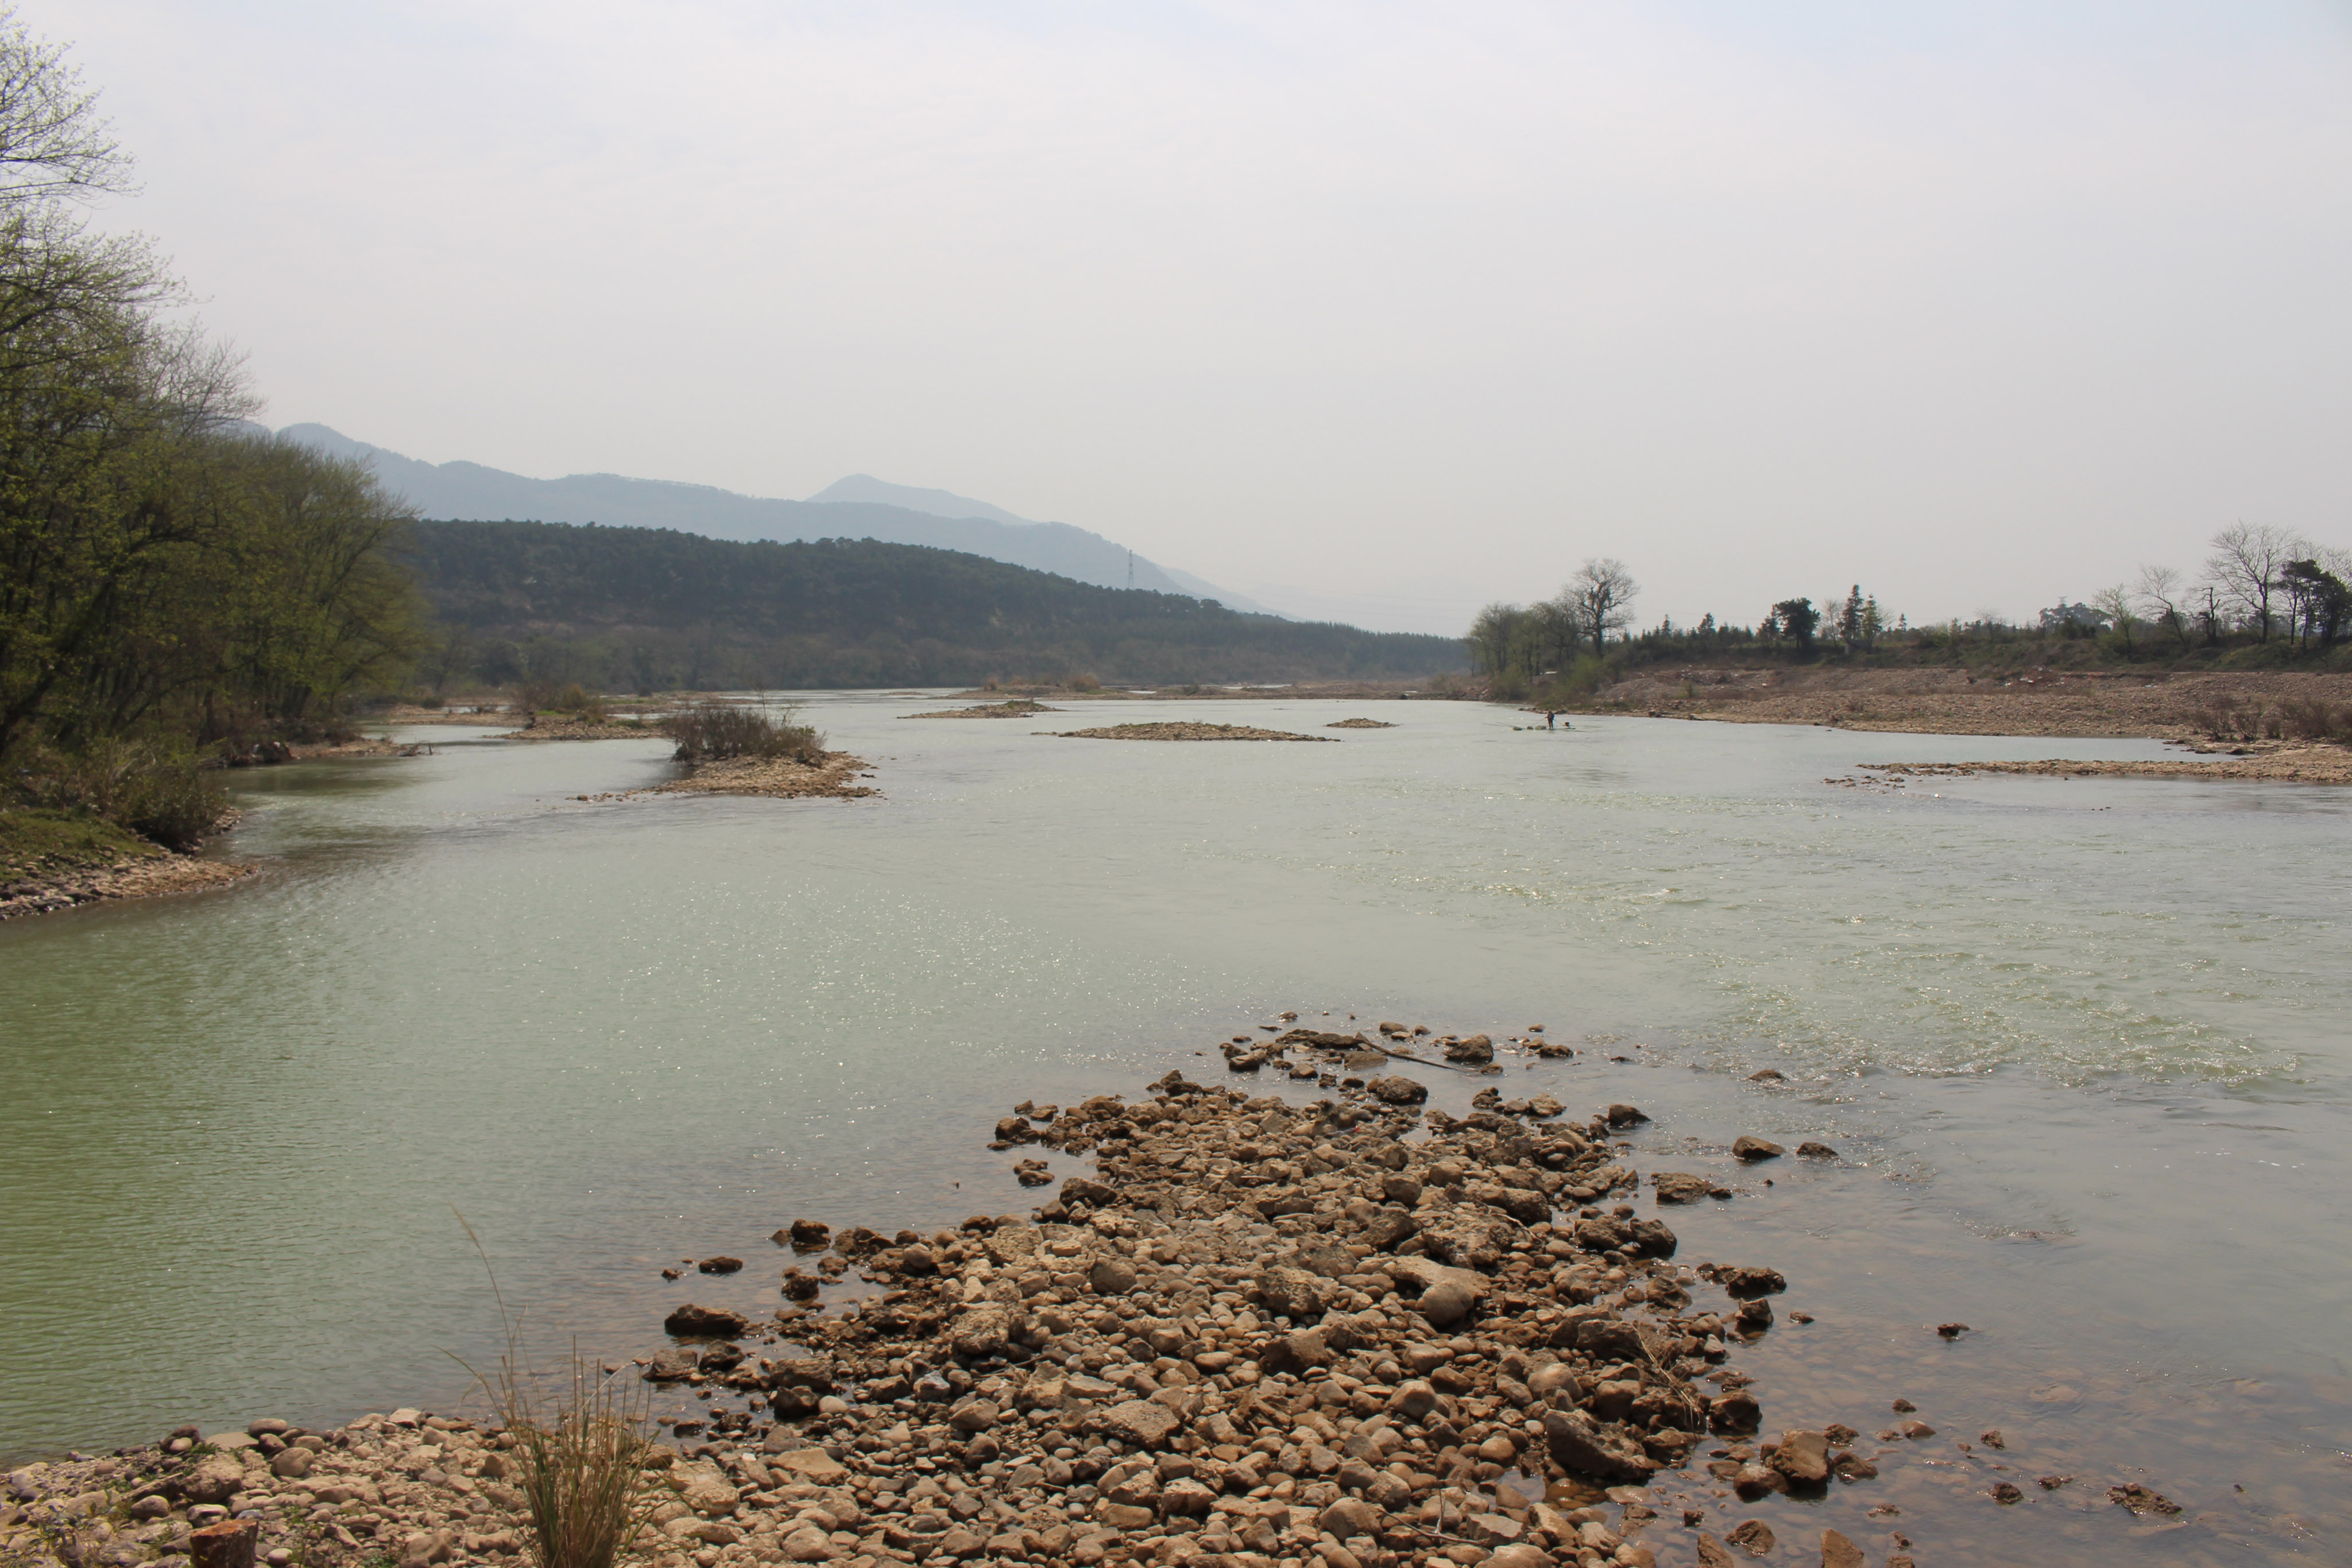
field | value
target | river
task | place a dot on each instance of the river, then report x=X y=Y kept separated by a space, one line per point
x=2081 y=1044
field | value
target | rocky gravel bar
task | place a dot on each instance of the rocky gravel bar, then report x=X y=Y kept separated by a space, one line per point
x=1181 y=730
x=1359 y=1332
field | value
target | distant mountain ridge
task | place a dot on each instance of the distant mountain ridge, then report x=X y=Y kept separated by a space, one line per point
x=858 y=506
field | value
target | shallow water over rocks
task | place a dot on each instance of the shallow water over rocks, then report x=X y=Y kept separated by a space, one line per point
x=2078 y=1045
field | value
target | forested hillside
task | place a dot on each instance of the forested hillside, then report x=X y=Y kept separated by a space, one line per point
x=650 y=608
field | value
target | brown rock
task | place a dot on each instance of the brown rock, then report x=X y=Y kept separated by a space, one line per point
x=1747 y=1281
x=1735 y=1413
x=1580 y=1445
x=985 y=1328
x=1753 y=1536
x=1295 y=1351
x=1837 y=1552
x=216 y=1479
x=2142 y=1499
x=720 y=1265
x=1293 y=1293
x=1681 y=1186
x=813 y=1466
x=1711 y=1552
x=1446 y=1303
x=228 y=1544
x=1812 y=1151
x=690 y=1321
x=1752 y=1148
x=1394 y=1090
x=1802 y=1457
x=1110 y=1277
x=972 y=1415
x=1519 y=1555
x=1144 y=1423
x=1413 y=1400
x=1186 y=1499
x=960 y=1542
x=1081 y=1190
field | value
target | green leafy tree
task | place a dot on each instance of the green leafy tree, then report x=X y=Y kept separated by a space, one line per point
x=1794 y=618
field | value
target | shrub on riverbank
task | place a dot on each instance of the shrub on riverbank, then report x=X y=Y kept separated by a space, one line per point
x=712 y=732
x=150 y=788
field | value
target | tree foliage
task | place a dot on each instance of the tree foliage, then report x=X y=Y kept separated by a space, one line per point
x=164 y=572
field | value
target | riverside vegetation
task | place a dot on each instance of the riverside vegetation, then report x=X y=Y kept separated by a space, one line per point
x=1258 y=1335
x=171 y=590
x=2265 y=599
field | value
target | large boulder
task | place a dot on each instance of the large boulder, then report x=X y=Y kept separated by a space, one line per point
x=1746 y=1283
x=1583 y=1446
x=1394 y=1090
x=1085 y=1190
x=1802 y=1457
x=1293 y=1293
x=1681 y=1186
x=1140 y=1423
x=985 y=1328
x=1388 y=1227
x=1468 y=1239
x=216 y=1477
x=691 y=1321
x=1325 y=1256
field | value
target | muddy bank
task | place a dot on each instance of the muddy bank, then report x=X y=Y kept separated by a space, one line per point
x=779 y=779
x=2276 y=763
x=1182 y=732
x=2176 y=707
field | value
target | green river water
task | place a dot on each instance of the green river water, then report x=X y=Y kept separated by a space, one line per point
x=2084 y=1046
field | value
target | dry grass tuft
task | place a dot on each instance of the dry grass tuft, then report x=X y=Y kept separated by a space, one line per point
x=580 y=1449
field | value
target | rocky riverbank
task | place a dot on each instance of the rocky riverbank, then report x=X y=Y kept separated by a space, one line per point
x=51 y=860
x=570 y=726
x=1359 y=1332
x=1017 y=708
x=780 y=779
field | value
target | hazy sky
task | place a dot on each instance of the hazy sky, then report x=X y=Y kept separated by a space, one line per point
x=1412 y=305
